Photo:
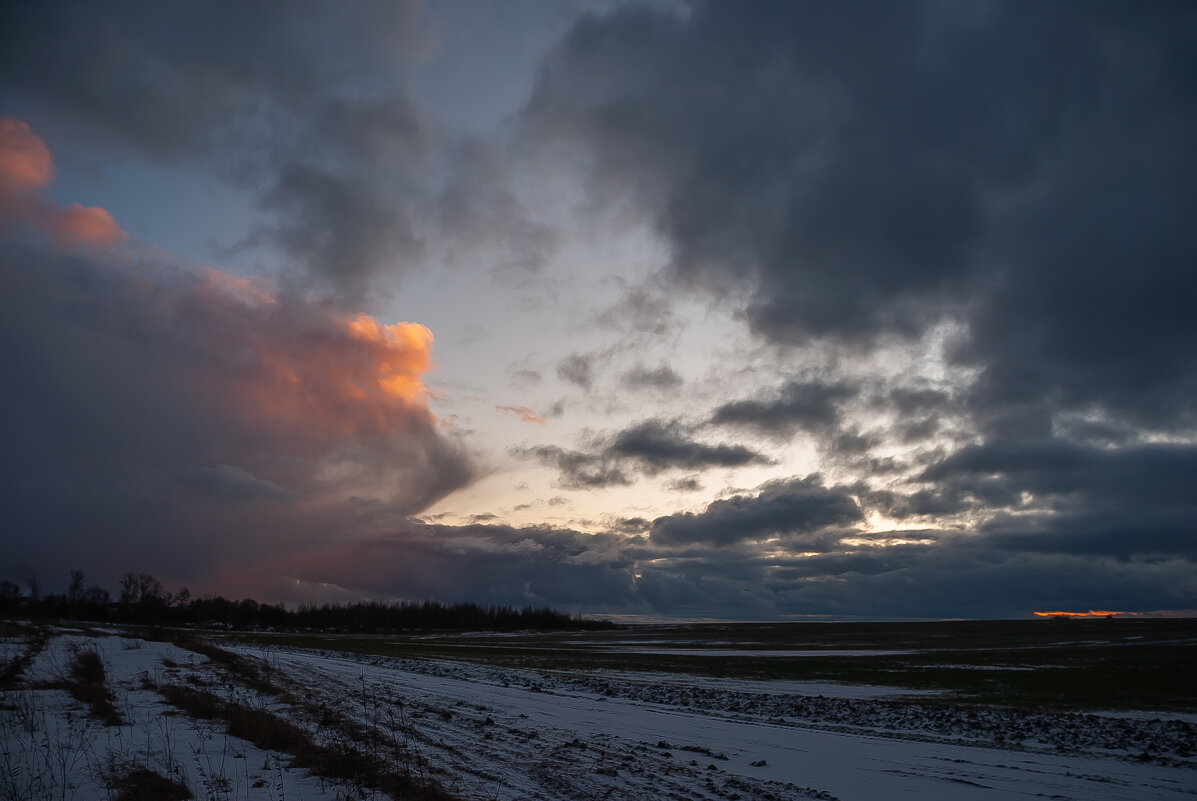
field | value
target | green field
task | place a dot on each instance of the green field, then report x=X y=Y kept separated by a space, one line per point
x=1116 y=664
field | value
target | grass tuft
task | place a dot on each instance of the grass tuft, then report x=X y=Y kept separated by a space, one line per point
x=146 y=785
x=89 y=685
x=343 y=761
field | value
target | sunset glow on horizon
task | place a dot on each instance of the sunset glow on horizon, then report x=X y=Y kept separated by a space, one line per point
x=1090 y=613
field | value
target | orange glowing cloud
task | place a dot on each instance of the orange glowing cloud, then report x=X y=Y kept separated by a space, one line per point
x=523 y=413
x=25 y=161
x=251 y=291
x=328 y=376
x=26 y=169
x=84 y=225
x=399 y=355
x=1090 y=613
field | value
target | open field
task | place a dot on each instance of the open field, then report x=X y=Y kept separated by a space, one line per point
x=728 y=713
x=1036 y=664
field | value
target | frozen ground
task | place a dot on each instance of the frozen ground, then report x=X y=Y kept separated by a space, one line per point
x=490 y=733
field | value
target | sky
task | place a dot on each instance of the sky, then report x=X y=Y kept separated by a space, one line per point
x=667 y=310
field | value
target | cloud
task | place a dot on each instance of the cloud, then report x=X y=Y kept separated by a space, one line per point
x=799 y=405
x=523 y=413
x=489 y=563
x=306 y=106
x=639 y=312
x=232 y=482
x=1060 y=497
x=192 y=424
x=648 y=448
x=791 y=508
x=525 y=377
x=804 y=572
x=684 y=484
x=26 y=170
x=577 y=369
x=660 y=445
x=853 y=183
x=657 y=378
x=579 y=470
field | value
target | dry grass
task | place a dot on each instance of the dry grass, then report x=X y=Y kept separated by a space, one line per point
x=145 y=785
x=12 y=670
x=252 y=675
x=89 y=684
x=344 y=761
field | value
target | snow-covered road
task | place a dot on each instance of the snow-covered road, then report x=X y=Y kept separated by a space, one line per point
x=490 y=733
x=549 y=740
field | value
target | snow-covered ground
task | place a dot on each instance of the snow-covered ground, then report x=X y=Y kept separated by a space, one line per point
x=492 y=733
x=557 y=736
x=50 y=748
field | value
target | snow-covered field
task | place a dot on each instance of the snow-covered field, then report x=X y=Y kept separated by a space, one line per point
x=495 y=733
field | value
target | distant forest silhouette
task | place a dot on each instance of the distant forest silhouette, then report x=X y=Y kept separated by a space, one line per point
x=143 y=600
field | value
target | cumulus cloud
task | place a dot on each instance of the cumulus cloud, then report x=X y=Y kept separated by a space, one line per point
x=194 y=422
x=26 y=170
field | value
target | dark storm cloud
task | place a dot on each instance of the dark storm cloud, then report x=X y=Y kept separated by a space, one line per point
x=231 y=482
x=197 y=425
x=1134 y=500
x=799 y=406
x=641 y=377
x=793 y=508
x=483 y=563
x=647 y=448
x=304 y=103
x=808 y=570
x=863 y=168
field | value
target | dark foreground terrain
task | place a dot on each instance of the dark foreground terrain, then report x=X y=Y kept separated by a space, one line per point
x=1081 y=710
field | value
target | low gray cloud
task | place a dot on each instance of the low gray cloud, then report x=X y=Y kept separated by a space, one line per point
x=811 y=406
x=646 y=448
x=1077 y=499
x=792 y=508
x=664 y=444
x=710 y=565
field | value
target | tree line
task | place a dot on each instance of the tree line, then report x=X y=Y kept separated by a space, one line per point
x=143 y=600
